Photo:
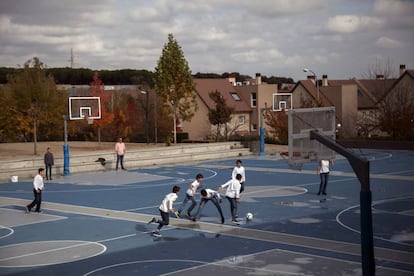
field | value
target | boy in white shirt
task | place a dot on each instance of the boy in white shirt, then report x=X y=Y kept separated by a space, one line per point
x=323 y=170
x=165 y=208
x=239 y=169
x=233 y=195
x=206 y=196
x=189 y=196
x=37 y=191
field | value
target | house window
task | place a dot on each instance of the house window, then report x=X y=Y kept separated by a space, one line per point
x=235 y=96
x=253 y=99
x=254 y=127
x=242 y=120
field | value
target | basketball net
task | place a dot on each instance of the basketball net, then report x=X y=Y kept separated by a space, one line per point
x=90 y=120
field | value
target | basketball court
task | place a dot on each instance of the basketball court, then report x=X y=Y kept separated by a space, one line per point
x=96 y=224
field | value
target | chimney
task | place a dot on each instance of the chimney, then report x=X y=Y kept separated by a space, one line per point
x=324 y=80
x=402 y=69
x=312 y=78
x=258 y=79
x=380 y=77
x=232 y=79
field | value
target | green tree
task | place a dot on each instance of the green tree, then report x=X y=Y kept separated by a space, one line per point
x=38 y=105
x=221 y=115
x=174 y=83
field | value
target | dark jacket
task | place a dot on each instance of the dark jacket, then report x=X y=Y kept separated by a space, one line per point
x=49 y=158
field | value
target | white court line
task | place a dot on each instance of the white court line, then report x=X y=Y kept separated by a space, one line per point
x=236 y=231
x=9 y=234
x=82 y=243
x=359 y=232
x=217 y=263
x=49 y=217
x=137 y=262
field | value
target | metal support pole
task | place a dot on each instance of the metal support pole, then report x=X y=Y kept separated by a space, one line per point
x=65 y=147
x=262 y=132
x=155 y=118
x=361 y=169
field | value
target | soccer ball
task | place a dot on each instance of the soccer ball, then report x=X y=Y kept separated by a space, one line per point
x=249 y=216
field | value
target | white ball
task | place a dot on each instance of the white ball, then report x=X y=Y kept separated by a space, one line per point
x=249 y=216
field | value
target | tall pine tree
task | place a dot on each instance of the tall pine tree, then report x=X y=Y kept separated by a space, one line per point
x=174 y=83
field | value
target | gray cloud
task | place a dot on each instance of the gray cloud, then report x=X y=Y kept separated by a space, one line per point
x=274 y=37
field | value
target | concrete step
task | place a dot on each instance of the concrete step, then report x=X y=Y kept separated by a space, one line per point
x=176 y=154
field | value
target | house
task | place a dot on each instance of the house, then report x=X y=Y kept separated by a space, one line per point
x=247 y=99
x=259 y=96
x=396 y=106
x=200 y=128
x=356 y=101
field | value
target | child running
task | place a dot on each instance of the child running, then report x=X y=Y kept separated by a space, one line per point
x=165 y=208
x=189 y=196
x=233 y=195
x=206 y=196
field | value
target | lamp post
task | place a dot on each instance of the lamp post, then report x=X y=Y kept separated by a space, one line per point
x=316 y=81
x=146 y=115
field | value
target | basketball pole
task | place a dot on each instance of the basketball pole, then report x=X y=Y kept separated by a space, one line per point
x=361 y=169
x=65 y=147
x=262 y=131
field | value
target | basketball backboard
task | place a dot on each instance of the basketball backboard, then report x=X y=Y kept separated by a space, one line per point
x=84 y=108
x=301 y=122
x=282 y=101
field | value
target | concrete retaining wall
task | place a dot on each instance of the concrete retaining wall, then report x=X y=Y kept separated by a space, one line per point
x=183 y=153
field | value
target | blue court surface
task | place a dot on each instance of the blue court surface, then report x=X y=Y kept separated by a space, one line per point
x=96 y=223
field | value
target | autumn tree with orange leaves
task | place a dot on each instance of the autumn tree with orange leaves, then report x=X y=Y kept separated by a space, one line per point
x=97 y=89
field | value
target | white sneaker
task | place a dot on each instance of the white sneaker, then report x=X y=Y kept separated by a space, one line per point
x=156 y=233
x=235 y=221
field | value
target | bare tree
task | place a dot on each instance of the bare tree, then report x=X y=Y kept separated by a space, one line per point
x=396 y=112
x=382 y=67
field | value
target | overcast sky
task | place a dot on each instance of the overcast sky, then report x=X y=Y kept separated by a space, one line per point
x=340 y=38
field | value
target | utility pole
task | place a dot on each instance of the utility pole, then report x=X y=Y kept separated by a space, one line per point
x=72 y=58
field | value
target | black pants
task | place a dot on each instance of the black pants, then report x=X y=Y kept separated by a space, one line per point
x=165 y=219
x=324 y=182
x=49 y=172
x=37 y=200
x=204 y=201
x=233 y=207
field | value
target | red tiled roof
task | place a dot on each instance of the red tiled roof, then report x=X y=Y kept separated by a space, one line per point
x=205 y=86
x=411 y=73
x=310 y=87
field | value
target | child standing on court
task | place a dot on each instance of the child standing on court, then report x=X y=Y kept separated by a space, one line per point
x=206 y=196
x=165 y=208
x=189 y=196
x=239 y=169
x=233 y=195
x=323 y=170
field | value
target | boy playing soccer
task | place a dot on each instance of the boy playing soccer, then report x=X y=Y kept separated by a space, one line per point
x=189 y=196
x=206 y=196
x=165 y=208
x=233 y=195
